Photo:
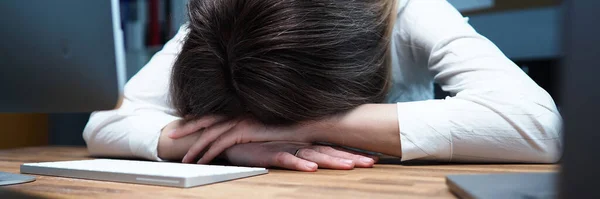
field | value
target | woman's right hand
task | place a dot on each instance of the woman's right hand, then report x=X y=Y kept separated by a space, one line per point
x=177 y=137
x=289 y=155
x=218 y=137
x=178 y=129
x=190 y=139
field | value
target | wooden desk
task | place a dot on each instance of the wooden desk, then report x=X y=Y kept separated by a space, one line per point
x=383 y=181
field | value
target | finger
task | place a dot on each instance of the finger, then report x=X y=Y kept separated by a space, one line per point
x=247 y=130
x=289 y=161
x=360 y=160
x=374 y=157
x=207 y=138
x=217 y=147
x=223 y=142
x=196 y=125
x=324 y=160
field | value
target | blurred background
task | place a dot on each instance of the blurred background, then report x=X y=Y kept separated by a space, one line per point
x=528 y=32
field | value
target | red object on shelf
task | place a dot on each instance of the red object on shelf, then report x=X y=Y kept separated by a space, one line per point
x=154 y=34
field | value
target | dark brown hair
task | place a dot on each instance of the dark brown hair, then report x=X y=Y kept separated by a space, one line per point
x=282 y=61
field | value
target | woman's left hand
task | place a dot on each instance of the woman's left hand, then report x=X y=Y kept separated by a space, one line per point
x=296 y=156
x=217 y=138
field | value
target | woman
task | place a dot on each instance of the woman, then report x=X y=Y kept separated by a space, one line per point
x=259 y=81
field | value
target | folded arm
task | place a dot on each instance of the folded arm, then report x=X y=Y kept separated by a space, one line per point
x=133 y=129
x=496 y=112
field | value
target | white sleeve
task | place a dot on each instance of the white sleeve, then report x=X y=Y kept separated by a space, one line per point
x=496 y=112
x=133 y=130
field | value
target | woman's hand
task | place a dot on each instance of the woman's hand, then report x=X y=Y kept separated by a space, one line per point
x=372 y=127
x=217 y=137
x=174 y=149
x=289 y=155
x=295 y=156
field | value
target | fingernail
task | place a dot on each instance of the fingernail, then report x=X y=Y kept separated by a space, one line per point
x=367 y=160
x=311 y=165
x=347 y=162
x=172 y=132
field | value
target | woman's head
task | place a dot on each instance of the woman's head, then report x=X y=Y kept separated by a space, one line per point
x=282 y=61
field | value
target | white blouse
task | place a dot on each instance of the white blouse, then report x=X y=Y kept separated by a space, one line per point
x=496 y=112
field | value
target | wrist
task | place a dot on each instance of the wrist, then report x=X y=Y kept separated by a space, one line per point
x=325 y=130
x=372 y=127
x=165 y=143
x=174 y=149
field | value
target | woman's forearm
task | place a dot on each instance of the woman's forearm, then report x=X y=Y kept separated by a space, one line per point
x=372 y=127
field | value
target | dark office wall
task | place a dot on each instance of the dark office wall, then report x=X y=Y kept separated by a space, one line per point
x=508 y=5
x=66 y=129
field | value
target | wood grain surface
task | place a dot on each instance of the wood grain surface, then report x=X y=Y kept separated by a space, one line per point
x=387 y=180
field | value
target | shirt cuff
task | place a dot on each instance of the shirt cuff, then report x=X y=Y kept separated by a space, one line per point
x=419 y=138
x=144 y=143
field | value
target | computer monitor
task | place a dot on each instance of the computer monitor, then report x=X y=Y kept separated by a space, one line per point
x=581 y=98
x=580 y=109
x=60 y=55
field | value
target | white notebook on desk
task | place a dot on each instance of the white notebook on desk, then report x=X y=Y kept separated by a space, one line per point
x=142 y=172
